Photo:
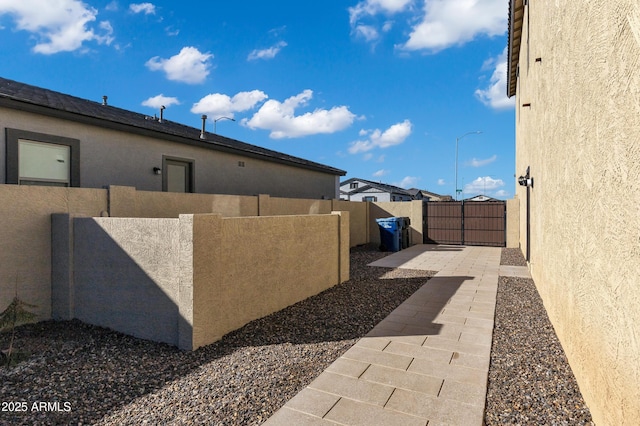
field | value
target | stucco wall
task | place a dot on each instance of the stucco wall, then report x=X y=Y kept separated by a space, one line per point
x=580 y=138
x=246 y=268
x=358 y=220
x=126 y=201
x=110 y=157
x=272 y=206
x=189 y=281
x=513 y=223
x=25 y=233
x=126 y=275
x=410 y=209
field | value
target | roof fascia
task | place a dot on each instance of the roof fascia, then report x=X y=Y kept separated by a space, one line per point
x=15 y=104
x=516 y=14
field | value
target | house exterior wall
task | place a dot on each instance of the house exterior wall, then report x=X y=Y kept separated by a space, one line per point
x=111 y=157
x=579 y=136
x=380 y=196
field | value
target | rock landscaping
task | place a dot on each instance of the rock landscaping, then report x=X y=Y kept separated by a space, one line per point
x=81 y=374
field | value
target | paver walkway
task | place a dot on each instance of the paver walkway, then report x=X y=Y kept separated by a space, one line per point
x=427 y=362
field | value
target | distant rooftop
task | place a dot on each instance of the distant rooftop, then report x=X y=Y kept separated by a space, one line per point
x=34 y=99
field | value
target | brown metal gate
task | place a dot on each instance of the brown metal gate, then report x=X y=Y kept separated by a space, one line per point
x=477 y=223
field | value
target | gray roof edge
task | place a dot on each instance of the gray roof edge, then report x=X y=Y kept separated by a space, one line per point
x=222 y=143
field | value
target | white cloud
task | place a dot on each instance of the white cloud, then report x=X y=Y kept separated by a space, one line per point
x=160 y=100
x=373 y=7
x=112 y=7
x=408 y=182
x=394 y=135
x=479 y=163
x=146 y=8
x=501 y=193
x=189 y=66
x=367 y=9
x=368 y=156
x=448 y=23
x=483 y=185
x=219 y=105
x=60 y=25
x=441 y=182
x=495 y=95
x=368 y=32
x=280 y=118
x=380 y=173
x=269 y=53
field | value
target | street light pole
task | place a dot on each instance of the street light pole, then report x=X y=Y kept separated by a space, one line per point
x=215 y=122
x=457 y=140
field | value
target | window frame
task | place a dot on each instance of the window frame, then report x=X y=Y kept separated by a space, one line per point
x=13 y=136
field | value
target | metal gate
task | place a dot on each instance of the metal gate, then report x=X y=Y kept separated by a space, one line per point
x=475 y=223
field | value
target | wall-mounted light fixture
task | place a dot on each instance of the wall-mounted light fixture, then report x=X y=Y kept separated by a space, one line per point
x=526 y=180
x=157 y=171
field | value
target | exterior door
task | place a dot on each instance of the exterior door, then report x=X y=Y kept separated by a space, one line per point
x=177 y=175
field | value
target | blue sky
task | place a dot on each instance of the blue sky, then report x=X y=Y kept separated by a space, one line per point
x=379 y=88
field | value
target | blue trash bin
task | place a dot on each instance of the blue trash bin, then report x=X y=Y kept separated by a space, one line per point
x=390 y=233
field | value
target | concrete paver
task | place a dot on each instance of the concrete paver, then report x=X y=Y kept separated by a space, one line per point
x=428 y=361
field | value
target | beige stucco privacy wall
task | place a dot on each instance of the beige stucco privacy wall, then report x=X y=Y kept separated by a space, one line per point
x=358 y=220
x=126 y=201
x=578 y=130
x=513 y=223
x=190 y=280
x=410 y=209
x=25 y=235
x=284 y=259
x=25 y=214
x=114 y=157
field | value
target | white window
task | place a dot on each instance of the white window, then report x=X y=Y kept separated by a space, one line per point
x=41 y=159
x=43 y=163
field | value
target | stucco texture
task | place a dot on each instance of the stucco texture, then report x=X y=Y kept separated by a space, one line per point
x=113 y=157
x=246 y=268
x=25 y=258
x=189 y=281
x=410 y=209
x=580 y=73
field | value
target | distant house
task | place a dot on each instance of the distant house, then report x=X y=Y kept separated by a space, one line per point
x=421 y=194
x=51 y=138
x=481 y=197
x=356 y=189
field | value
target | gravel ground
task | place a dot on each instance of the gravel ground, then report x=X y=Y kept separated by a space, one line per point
x=512 y=257
x=108 y=378
x=530 y=381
